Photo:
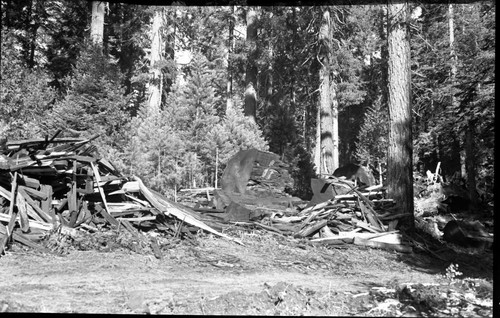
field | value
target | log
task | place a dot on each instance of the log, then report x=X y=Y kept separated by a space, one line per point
x=395 y=247
x=311 y=229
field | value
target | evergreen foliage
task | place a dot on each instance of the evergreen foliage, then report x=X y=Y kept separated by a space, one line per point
x=95 y=102
x=51 y=79
x=372 y=143
x=25 y=94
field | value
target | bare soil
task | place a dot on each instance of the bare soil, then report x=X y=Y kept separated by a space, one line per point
x=269 y=275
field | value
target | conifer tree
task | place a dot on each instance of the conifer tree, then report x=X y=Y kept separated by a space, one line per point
x=95 y=101
x=25 y=95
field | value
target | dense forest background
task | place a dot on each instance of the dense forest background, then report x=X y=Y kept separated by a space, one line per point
x=175 y=91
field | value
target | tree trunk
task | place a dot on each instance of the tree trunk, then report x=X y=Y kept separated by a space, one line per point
x=97 y=24
x=327 y=126
x=229 y=89
x=470 y=164
x=458 y=156
x=400 y=172
x=251 y=70
x=156 y=81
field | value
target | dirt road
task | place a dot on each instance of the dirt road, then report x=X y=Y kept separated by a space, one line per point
x=212 y=276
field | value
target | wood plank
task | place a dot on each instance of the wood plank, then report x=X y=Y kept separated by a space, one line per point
x=18 y=237
x=311 y=229
x=12 y=214
x=138 y=219
x=33 y=142
x=182 y=213
x=33 y=224
x=337 y=240
x=46 y=217
x=367 y=227
x=23 y=213
x=38 y=195
x=46 y=205
x=382 y=245
x=105 y=211
x=29 y=182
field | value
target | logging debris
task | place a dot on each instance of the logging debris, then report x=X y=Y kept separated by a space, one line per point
x=61 y=187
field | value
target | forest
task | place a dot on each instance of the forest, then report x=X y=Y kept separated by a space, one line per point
x=174 y=91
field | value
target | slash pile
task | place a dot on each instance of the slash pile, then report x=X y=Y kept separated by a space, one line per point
x=61 y=184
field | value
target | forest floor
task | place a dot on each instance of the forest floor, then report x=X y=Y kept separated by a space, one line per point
x=269 y=275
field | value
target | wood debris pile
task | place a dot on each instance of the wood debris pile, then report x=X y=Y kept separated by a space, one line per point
x=61 y=184
x=360 y=218
x=338 y=213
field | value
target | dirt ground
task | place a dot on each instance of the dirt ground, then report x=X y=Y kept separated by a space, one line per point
x=269 y=275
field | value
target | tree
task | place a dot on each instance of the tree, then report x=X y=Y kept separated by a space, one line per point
x=25 y=96
x=400 y=172
x=97 y=23
x=327 y=125
x=156 y=82
x=251 y=69
x=95 y=102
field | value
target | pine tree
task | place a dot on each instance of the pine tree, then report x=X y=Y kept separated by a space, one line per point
x=372 y=143
x=95 y=101
x=25 y=95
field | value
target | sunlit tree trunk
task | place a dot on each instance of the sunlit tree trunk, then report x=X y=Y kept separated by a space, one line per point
x=97 y=23
x=400 y=172
x=326 y=125
x=251 y=69
x=229 y=88
x=155 y=85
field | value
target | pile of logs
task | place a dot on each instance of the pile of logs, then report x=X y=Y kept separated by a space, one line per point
x=61 y=184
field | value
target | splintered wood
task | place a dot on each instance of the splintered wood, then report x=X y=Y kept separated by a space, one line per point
x=60 y=185
x=48 y=185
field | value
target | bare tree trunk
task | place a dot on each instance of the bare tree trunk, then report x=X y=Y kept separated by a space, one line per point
x=251 y=71
x=317 y=148
x=470 y=163
x=97 y=24
x=327 y=113
x=460 y=156
x=229 y=89
x=400 y=172
x=155 y=85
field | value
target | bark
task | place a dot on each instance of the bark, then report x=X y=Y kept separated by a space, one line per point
x=470 y=164
x=328 y=148
x=251 y=69
x=400 y=174
x=97 y=24
x=229 y=89
x=155 y=84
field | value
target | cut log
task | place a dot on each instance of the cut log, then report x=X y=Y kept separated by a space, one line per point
x=311 y=229
x=382 y=245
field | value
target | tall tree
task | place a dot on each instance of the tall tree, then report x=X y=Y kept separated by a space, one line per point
x=97 y=23
x=400 y=164
x=327 y=128
x=251 y=69
x=156 y=81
